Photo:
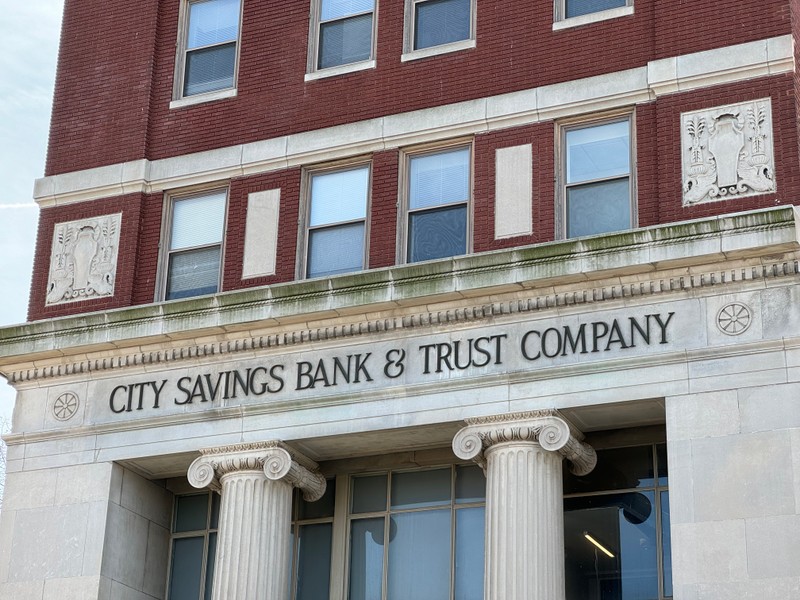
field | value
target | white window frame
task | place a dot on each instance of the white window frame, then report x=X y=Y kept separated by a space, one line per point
x=561 y=21
x=313 y=71
x=178 y=98
x=164 y=253
x=404 y=187
x=409 y=53
x=561 y=130
x=303 y=237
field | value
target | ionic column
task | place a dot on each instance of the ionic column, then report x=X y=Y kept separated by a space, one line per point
x=255 y=481
x=521 y=455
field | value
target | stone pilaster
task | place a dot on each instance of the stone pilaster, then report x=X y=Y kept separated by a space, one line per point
x=521 y=455
x=255 y=481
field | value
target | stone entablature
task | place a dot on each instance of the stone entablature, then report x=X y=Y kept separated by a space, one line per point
x=727 y=152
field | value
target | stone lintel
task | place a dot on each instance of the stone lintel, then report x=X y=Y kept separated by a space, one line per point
x=275 y=459
x=548 y=428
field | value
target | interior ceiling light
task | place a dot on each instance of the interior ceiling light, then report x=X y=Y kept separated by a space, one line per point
x=605 y=550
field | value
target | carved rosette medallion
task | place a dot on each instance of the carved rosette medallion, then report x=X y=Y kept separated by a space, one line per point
x=66 y=406
x=545 y=427
x=276 y=460
x=727 y=152
x=734 y=318
x=83 y=259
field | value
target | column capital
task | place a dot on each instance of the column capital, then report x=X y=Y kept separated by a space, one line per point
x=274 y=459
x=548 y=428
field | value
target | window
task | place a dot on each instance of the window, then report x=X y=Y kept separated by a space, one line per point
x=194 y=248
x=436 y=26
x=410 y=534
x=438 y=194
x=208 y=47
x=570 y=13
x=342 y=34
x=193 y=546
x=337 y=221
x=597 y=191
x=616 y=527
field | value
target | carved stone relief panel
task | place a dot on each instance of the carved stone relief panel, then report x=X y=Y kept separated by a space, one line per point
x=727 y=152
x=83 y=261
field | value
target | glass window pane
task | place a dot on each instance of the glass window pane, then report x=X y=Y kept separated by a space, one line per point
x=437 y=233
x=366 y=559
x=335 y=250
x=584 y=7
x=213 y=22
x=470 y=484
x=369 y=494
x=321 y=508
x=419 y=555
x=346 y=41
x=197 y=221
x=470 y=527
x=212 y=556
x=314 y=561
x=439 y=178
x=336 y=9
x=193 y=273
x=187 y=564
x=622 y=561
x=215 y=500
x=598 y=152
x=441 y=22
x=598 y=208
x=617 y=469
x=190 y=513
x=339 y=196
x=666 y=543
x=209 y=69
x=418 y=489
x=663 y=472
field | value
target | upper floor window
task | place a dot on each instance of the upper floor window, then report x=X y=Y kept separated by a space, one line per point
x=342 y=34
x=580 y=12
x=438 y=195
x=336 y=222
x=194 y=544
x=436 y=26
x=617 y=527
x=208 y=47
x=195 y=225
x=597 y=191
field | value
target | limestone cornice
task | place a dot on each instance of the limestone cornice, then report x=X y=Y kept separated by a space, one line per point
x=772 y=56
x=545 y=427
x=748 y=248
x=274 y=459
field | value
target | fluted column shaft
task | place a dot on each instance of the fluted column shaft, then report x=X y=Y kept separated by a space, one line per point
x=524 y=523
x=522 y=456
x=255 y=481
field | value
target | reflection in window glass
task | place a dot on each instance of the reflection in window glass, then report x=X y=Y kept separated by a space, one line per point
x=597 y=181
x=614 y=538
x=575 y=8
x=366 y=559
x=419 y=555
x=345 y=32
x=438 y=22
x=211 y=40
x=194 y=546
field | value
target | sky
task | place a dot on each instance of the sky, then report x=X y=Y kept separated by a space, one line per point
x=29 y=34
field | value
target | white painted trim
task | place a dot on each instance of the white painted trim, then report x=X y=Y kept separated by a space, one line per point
x=593 y=94
x=340 y=70
x=596 y=17
x=436 y=50
x=201 y=98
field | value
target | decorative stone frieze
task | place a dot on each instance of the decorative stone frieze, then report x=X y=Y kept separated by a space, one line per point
x=255 y=481
x=522 y=455
x=727 y=151
x=83 y=259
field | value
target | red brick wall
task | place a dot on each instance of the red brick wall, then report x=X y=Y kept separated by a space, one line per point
x=130 y=206
x=106 y=111
x=658 y=176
